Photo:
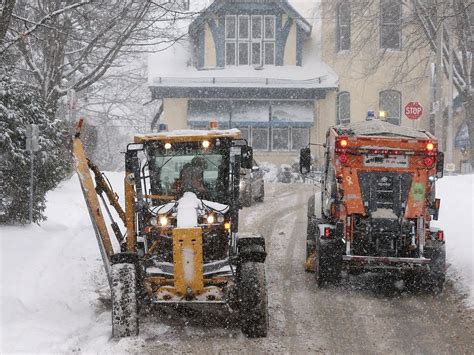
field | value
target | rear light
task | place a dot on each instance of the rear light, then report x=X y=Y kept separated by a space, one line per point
x=429 y=146
x=342 y=142
x=428 y=161
x=327 y=232
x=343 y=158
x=440 y=235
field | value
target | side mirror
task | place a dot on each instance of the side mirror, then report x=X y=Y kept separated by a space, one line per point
x=439 y=165
x=246 y=160
x=305 y=160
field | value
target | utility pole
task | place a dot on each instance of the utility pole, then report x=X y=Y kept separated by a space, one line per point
x=449 y=128
x=438 y=111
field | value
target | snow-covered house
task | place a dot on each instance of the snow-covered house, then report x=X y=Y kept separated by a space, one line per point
x=251 y=64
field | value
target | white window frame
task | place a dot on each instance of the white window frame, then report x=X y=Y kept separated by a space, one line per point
x=388 y=114
x=264 y=52
x=261 y=27
x=338 y=108
x=248 y=52
x=250 y=40
x=384 y=24
x=288 y=139
x=260 y=53
x=268 y=138
x=341 y=24
x=235 y=53
x=236 y=28
x=248 y=27
x=264 y=27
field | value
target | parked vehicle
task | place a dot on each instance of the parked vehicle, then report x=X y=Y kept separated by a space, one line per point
x=252 y=185
x=376 y=203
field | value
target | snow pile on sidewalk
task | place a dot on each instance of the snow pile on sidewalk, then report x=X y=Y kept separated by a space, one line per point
x=50 y=277
x=456 y=219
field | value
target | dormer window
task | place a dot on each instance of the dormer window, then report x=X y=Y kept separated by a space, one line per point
x=249 y=40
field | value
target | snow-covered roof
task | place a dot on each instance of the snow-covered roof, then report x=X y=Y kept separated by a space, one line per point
x=379 y=128
x=173 y=67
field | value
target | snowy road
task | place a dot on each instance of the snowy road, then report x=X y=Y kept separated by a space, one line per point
x=365 y=314
x=59 y=297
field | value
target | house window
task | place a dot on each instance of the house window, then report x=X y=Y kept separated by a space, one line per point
x=390 y=24
x=245 y=131
x=243 y=53
x=269 y=53
x=244 y=24
x=269 y=27
x=344 y=26
x=256 y=53
x=256 y=27
x=250 y=40
x=299 y=138
x=280 y=138
x=230 y=48
x=230 y=27
x=260 y=138
x=343 y=108
x=390 y=101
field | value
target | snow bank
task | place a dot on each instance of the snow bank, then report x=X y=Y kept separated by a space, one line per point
x=51 y=280
x=456 y=219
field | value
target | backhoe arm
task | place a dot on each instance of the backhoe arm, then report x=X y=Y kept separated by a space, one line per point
x=92 y=202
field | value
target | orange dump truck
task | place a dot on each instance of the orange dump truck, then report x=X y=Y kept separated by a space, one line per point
x=375 y=206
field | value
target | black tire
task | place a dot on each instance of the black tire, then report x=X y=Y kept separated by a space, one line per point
x=310 y=243
x=247 y=198
x=433 y=282
x=253 y=300
x=124 y=300
x=262 y=194
x=327 y=265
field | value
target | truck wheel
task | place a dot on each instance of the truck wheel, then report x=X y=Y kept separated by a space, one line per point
x=253 y=300
x=247 y=199
x=327 y=266
x=434 y=280
x=262 y=194
x=124 y=300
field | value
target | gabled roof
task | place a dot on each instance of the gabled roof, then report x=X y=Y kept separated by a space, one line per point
x=218 y=4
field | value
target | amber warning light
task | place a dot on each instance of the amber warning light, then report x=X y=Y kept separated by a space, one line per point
x=343 y=143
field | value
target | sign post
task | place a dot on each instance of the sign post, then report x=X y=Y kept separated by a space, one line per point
x=32 y=135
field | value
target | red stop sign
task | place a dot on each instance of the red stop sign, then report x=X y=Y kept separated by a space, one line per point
x=413 y=110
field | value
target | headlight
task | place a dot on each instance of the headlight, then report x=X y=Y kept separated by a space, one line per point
x=153 y=221
x=163 y=221
x=220 y=219
x=210 y=219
